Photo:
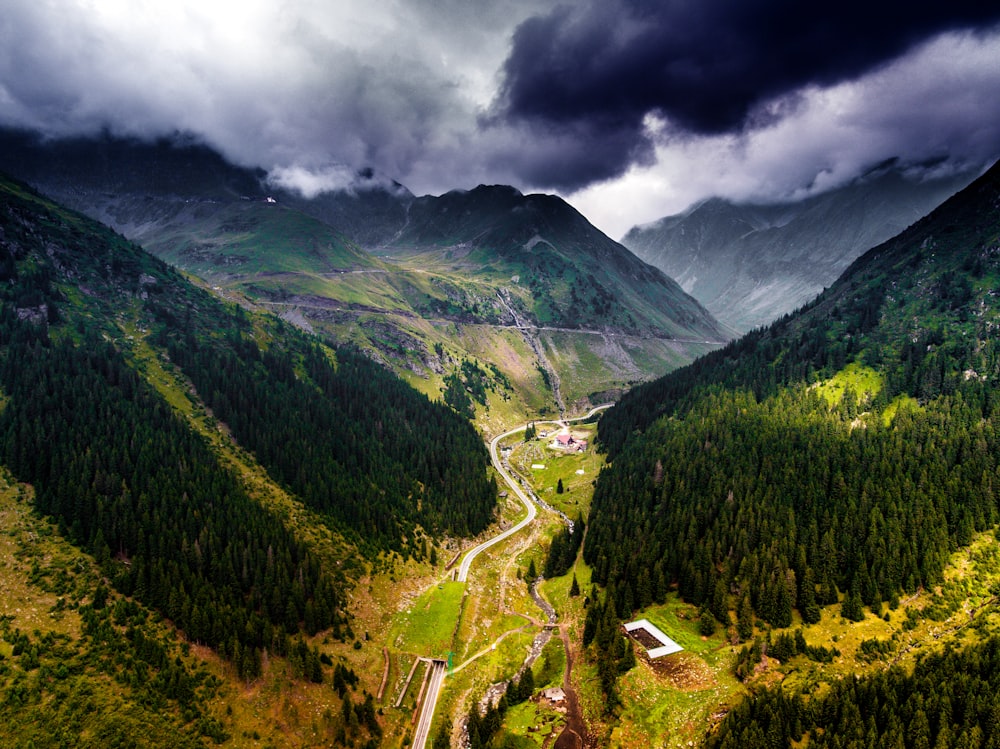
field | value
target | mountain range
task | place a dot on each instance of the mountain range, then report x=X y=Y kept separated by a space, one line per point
x=749 y=264
x=225 y=478
x=548 y=309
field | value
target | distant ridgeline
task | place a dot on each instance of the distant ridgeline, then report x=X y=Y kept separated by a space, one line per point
x=850 y=447
x=128 y=479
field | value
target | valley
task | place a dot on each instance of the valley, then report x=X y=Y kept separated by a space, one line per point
x=516 y=297
x=461 y=575
x=524 y=374
x=226 y=524
x=671 y=705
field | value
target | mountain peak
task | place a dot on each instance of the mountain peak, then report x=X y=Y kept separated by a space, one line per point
x=751 y=263
x=507 y=191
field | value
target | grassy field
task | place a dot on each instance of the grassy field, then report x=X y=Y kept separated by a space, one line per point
x=531 y=724
x=534 y=723
x=668 y=702
x=576 y=470
x=252 y=237
x=428 y=627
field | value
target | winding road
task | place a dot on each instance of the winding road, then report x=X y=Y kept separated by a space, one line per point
x=463 y=570
x=337 y=306
x=438 y=667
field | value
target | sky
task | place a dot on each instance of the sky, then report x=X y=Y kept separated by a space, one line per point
x=629 y=109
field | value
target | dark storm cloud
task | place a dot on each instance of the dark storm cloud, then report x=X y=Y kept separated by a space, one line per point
x=311 y=88
x=567 y=156
x=597 y=70
x=676 y=101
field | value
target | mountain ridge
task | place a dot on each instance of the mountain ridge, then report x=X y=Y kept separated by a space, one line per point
x=421 y=283
x=804 y=485
x=751 y=263
x=839 y=307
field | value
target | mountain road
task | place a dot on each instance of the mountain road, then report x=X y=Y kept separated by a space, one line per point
x=438 y=667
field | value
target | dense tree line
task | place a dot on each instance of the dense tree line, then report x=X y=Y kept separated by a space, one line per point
x=782 y=503
x=734 y=482
x=350 y=438
x=951 y=700
x=126 y=479
x=563 y=550
x=613 y=652
x=764 y=360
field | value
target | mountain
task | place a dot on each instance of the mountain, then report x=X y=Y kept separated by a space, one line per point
x=568 y=274
x=219 y=467
x=824 y=468
x=181 y=200
x=244 y=368
x=498 y=301
x=749 y=264
x=370 y=212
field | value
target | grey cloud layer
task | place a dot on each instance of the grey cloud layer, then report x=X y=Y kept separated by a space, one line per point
x=600 y=68
x=449 y=93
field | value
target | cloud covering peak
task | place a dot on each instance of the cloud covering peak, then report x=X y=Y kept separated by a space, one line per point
x=630 y=108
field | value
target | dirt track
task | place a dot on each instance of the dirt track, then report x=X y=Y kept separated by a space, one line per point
x=574 y=735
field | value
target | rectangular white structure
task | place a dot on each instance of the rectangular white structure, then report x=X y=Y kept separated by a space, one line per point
x=668 y=647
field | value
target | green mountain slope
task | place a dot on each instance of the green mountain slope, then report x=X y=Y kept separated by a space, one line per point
x=950 y=700
x=568 y=273
x=234 y=240
x=91 y=327
x=836 y=459
x=523 y=289
x=932 y=281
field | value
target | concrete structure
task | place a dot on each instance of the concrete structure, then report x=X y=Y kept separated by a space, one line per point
x=554 y=694
x=668 y=646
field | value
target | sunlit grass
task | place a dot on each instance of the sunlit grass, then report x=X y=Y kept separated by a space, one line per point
x=545 y=466
x=899 y=404
x=536 y=725
x=428 y=626
x=864 y=381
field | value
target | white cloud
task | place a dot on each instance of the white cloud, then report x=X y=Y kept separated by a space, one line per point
x=317 y=89
x=937 y=102
x=311 y=182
